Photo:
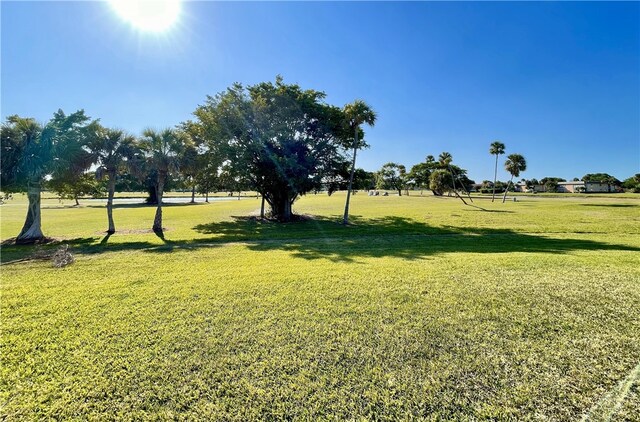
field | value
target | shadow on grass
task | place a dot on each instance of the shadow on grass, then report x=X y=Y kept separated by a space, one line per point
x=611 y=205
x=145 y=205
x=324 y=238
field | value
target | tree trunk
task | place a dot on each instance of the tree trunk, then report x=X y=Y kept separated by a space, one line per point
x=112 y=188
x=281 y=206
x=399 y=192
x=287 y=210
x=495 y=177
x=76 y=199
x=206 y=196
x=262 y=208
x=193 y=194
x=461 y=198
x=32 y=230
x=504 y=198
x=157 y=221
x=345 y=218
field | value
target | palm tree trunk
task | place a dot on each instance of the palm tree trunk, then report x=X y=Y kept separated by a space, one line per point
x=504 y=198
x=345 y=219
x=157 y=221
x=112 y=188
x=495 y=177
x=32 y=230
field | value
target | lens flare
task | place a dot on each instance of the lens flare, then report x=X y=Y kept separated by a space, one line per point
x=149 y=15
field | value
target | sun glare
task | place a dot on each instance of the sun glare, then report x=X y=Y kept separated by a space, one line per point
x=148 y=15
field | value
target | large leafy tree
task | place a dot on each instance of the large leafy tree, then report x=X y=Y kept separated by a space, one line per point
x=76 y=185
x=440 y=181
x=458 y=175
x=602 y=178
x=393 y=176
x=163 y=149
x=193 y=159
x=31 y=153
x=282 y=139
x=515 y=164
x=114 y=152
x=497 y=148
x=356 y=114
x=420 y=173
x=632 y=183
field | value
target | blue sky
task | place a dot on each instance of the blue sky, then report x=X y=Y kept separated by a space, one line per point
x=558 y=82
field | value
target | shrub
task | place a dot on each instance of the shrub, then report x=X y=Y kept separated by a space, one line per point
x=62 y=257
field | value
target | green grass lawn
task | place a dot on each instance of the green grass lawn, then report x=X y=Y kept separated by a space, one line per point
x=423 y=308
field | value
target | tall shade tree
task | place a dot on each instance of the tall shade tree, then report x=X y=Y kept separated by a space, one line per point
x=32 y=152
x=421 y=172
x=515 y=164
x=497 y=148
x=163 y=149
x=193 y=159
x=393 y=176
x=283 y=140
x=114 y=152
x=356 y=114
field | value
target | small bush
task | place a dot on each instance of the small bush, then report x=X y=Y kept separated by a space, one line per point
x=62 y=257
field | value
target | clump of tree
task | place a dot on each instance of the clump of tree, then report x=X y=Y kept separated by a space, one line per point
x=449 y=178
x=632 y=183
x=76 y=186
x=603 y=178
x=420 y=173
x=551 y=183
x=283 y=140
x=489 y=186
x=392 y=176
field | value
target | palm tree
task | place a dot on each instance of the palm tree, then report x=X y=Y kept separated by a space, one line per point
x=32 y=152
x=514 y=165
x=496 y=148
x=27 y=153
x=113 y=151
x=163 y=149
x=444 y=161
x=356 y=113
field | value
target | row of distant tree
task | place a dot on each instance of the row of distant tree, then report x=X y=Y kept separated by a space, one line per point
x=550 y=184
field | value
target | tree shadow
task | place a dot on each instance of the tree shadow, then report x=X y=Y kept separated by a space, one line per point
x=486 y=210
x=326 y=238
x=390 y=236
x=611 y=205
x=144 y=205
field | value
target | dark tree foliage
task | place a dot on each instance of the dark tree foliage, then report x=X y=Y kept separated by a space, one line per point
x=601 y=178
x=551 y=183
x=282 y=140
x=632 y=183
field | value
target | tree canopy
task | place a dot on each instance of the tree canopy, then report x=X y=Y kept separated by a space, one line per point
x=280 y=138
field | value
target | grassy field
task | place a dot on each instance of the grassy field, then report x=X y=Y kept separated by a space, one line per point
x=422 y=309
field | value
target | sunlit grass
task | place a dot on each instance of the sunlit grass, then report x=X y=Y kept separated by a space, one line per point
x=422 y=308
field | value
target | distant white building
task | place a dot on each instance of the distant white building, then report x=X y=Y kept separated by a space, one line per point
x=570 y=187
